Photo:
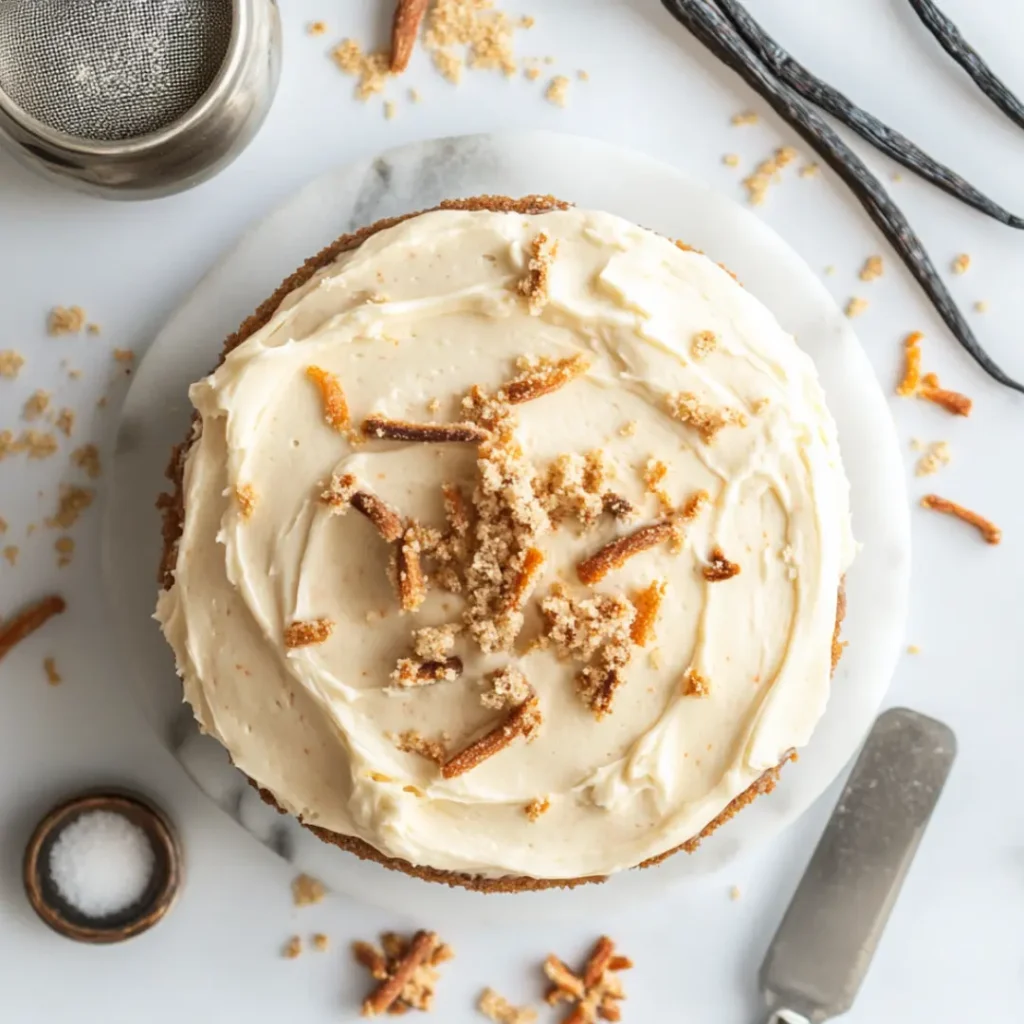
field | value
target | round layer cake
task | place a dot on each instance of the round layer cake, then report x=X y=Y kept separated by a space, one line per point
x=506 y=546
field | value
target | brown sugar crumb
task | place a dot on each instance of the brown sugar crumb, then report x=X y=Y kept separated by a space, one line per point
x=537 y=281
x=65 y=548
x=307 y=890
x=703 y=344
x=573 y=486
x=321 y=943
x=412 y=742
x=616 y=553
x=382 y=428
x=951 y=401
x=855 y=307
x=406 y=970
x=123 y=355
x=404 y=30
x=292 y=948
x=410 y=581
x=961 y=263
x=719 y=567
x=745 y=117
x=694 y=505
x=335 y=406
x=11 y=553
x=498 y=1009
x=304 y=634
x=731 y=160
x=628 y=429
x=11 y=363
x=486 y=35
x=35 y=405
x=767 y=173
x=872 y=268
x=535 y=808
x=87 y=459
x=596 y=631
x=65 y=320
x=540 y=377
x=647 y=603
x=73 y=501
x=245 y=495
x=935 y=457
x=596 y=991
x=66 y=422
x=345 y=491
x=53 y=677
x=523 y=720
x=410 y=672
x=509 y=688
x=912 y=365
x=316 y=28
x=510 y=519
x=706 y=420
x=26 y=622
x=448 y=65
x=694 y=684
x=372 y=69
x=557 y=91
x=37 y=443
x=988 y=530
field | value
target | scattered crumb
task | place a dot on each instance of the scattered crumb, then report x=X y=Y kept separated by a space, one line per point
x=809 y=170
x=390 y=110
x=596 y=990
x=65 y=320
x=654 y=659
x=72 y=503
x=412 y=959
x=916 y=444
x=829 y=270
x=537 y=280
x=936 y=456
x=872 y=268
x=768 y=172
x=535 y=808
x=433 y=405
x=483 y=36
x=307 y=890
x=583 y=76
x=245 y=495
x=731 y=160
x=628 y=429
x=557 y=91
x=38 y=444
x=734 y=893
x=92 y=329
x=412 y=742
x=527 y=21
x=694 y=684
x=11 y=363
x=746 y=117
x=855 y=307
x=532 y=74
x=303 y=634
x=961 y=263
x=65 y=548
x=703 y=344
x=35 y=405
x=292 y=948
x=372 y=69
x=498 y=1009
x=321 y=943
x=87 y=459
x=896 y=176
x=123 y=355
x=53 y=677
x=414 y=96
x=66 y=421
x=706 y=420
x=316 y=28
x=913 y=649
x=11 y=553
x=981 y=306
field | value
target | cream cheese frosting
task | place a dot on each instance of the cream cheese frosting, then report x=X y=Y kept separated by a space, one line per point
x=409 y=322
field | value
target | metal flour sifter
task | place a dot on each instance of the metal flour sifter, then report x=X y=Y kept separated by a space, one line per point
x=133 y=99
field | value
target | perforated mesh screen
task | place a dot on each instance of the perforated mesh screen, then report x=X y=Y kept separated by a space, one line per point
x=110 y=69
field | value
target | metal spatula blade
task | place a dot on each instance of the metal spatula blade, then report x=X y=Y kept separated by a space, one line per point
x=822 y=950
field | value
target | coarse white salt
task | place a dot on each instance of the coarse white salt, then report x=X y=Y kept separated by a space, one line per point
x=101 y=863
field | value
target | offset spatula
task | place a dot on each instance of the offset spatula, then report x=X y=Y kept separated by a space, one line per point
x=823 y=947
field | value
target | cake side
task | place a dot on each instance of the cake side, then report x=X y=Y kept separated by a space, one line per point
x=490 y=880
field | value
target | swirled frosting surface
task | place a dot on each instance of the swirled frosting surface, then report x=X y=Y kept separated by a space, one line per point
x=408 y=323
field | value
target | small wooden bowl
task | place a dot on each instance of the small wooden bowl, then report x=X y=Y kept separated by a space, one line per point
x=154 y=903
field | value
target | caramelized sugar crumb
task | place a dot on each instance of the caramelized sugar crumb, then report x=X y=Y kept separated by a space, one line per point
x=535 y=808
x=719 y=567
x=535 y=285
x=304 y=634
x=336 y=414
x=912 y=365
x=647 y=603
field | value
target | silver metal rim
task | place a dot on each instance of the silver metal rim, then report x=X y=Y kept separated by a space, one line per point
x=241 y=23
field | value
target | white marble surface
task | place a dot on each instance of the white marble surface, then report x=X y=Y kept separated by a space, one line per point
x=954 y=945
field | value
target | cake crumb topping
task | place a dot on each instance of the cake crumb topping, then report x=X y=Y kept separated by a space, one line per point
x=410 y=672
x=307 y=890
x=703 y=344
x=936 y=456
x=304 y=634
x=65 y=422
x=535 y=285
x=694 y=684
x=11 y=363
x=535 y=808
x=65 y=320
x=321 y=942
x=245 y=495
x=72 y=502
x=872 y=268
x=65 y=548
x=35 y=405
x=292 y=948
x=498 y=1009
x=855 y=307
x=557 y=91
x=509 y=688
x=686 y=407
x=413 y=742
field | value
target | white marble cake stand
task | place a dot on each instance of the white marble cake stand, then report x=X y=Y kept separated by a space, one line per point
x=590 y=174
